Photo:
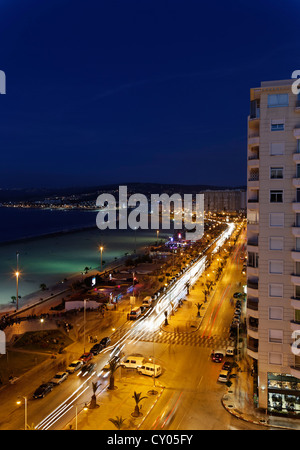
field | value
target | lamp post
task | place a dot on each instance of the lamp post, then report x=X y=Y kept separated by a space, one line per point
x=154 y=391
x=101 y=250
x=85 y=408
x=17 y=280
x=25 y=404
x=84 y=320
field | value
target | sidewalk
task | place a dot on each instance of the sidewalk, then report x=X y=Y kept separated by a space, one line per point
x=119 y=403
x=238 y=402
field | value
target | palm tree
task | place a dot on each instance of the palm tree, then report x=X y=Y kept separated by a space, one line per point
x=43 y=287
x=137 y=397
x=205 y=292
x=199 y=305
x=118 y=422
x=93 y=403
x=113 y=365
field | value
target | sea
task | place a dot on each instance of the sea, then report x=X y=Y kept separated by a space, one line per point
x=53 y=244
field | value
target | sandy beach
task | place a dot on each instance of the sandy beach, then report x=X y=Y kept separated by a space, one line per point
x=50 y=259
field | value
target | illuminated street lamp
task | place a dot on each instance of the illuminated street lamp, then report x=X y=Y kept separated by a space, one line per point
x=85 y=408
x=19 y=402
x=101 y=250
x=17 y=274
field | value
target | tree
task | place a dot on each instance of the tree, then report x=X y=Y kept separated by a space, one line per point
x=43 y=287
x=199 y=305
x=137 y=397
x=118 y=422
x=86 y=269
x=93 y=403
x=113 y=365
x=205 y=292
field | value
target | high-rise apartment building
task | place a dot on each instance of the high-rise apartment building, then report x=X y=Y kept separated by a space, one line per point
x=273 y=243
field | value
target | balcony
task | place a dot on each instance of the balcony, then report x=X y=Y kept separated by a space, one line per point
x=252 y=303
x=296 y=206
x=296 y=182
x=252 y=347
x=296 y=255
x=296 y=230
x=295 y=279
x=253 y=284
x=295 y=325
x=297 y=133
x=295 y=302
x=253 y=139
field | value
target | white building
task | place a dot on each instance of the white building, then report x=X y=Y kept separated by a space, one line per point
x=273 y=274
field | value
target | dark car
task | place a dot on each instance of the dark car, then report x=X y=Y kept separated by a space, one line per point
x=96 y=349
x=238 y=295
x=86 y=357
x=227 y=366
x=86 y=369
x=105 y=341
x=43 y=390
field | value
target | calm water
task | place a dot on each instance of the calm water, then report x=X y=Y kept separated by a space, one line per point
x=49 y=259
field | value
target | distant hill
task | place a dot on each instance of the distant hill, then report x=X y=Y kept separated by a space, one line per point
x=87 y=193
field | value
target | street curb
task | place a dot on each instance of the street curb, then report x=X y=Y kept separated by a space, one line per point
x=231 y=410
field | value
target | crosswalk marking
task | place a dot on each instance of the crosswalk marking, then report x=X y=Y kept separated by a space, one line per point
x=189 y=339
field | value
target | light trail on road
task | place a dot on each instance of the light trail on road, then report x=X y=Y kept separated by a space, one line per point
x=151 y=321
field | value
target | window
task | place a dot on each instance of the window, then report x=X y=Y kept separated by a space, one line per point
x=276 y=219
x=275 y=358
x=297 y=246
x=276 y=267
x=297 y=195
x=297 y=221
x=276 y=172
x=276 y=243
x=276 y=196
x=278 y=100
x=277 y=125
x=276 y=290
x=277 y=148
x=298 y=171
x=276 y=336
x=275 y=313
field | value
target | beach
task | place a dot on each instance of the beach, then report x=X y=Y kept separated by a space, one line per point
x=50 y=258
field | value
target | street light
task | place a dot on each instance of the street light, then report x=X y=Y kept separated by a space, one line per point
x=153 y=391
x=101 y=250
x=19 y=402
x=85 y=408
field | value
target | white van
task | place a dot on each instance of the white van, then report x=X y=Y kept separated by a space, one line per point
x=150 y=369
x=134 y=313
x=147 y=302
x=133 y=362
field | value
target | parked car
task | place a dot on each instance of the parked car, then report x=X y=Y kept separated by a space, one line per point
x=217 y=356
x=223 y=376
x=96 y=349
x=86 y=369
x=59 y=378
x=230 y=351
x=43 y=390
x=74 y=366
x=105 y=341
x=238 y=295
x=86 y=357
x=227 y=366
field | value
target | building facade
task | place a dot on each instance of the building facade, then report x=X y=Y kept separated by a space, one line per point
x=273 y=245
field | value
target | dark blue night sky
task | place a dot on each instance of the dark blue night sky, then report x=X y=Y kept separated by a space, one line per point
x=136 y=90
